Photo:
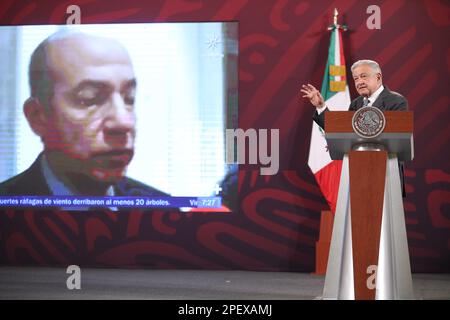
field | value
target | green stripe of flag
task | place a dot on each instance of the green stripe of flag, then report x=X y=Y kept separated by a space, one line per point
x=325 y=91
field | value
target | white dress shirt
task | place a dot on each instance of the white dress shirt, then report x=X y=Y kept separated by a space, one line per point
x=373 y=97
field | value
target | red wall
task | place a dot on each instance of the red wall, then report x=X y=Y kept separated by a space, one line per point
x=282 y=44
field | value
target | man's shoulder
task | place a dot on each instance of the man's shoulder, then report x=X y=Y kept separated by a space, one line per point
x=393 y=101
x=7 y=186
x=394 y=94
x=131 y=187
x=29 y=182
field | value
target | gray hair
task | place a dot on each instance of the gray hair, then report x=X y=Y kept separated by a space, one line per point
x=374 y=65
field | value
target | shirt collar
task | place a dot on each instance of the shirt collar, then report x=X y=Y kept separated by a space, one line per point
x=375 y=95
x=56 y=186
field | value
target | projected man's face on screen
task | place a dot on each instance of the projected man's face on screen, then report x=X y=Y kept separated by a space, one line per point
x=82 y=112
x=90 y=125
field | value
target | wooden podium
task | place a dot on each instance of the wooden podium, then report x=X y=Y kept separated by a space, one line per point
x=323 y=244
x=369 y=257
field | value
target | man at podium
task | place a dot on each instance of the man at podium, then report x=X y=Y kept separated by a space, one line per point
x=368 y=256
x=369 y=85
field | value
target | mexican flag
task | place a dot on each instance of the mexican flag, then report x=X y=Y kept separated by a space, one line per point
x=337 y=98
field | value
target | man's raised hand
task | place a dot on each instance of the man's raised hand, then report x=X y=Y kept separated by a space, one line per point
x=313 y=95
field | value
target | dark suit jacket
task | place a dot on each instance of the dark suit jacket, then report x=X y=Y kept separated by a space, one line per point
x=32 y=182
x=386 y=101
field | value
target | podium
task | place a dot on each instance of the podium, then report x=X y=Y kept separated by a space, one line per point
x=369 y=257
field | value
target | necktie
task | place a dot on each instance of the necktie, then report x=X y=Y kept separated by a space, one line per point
x=365 y=102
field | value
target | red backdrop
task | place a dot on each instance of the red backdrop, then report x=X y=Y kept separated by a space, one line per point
x=282 y=44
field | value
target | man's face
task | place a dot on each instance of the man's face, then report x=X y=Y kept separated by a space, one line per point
x=366 y=80
x=91 y=118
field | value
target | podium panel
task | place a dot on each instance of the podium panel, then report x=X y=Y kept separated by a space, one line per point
x=369 y=257
x=391 y=278
x=367 y=181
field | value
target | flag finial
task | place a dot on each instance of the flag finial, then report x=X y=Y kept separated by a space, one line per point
x=335 y=24
x=335 y=17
